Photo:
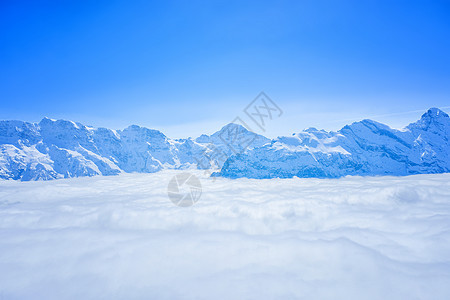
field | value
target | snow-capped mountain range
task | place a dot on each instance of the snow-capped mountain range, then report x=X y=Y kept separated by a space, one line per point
x=54 y=149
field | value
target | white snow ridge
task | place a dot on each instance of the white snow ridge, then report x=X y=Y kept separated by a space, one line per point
x=63 y=149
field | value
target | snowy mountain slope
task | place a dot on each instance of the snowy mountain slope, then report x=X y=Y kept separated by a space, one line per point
x=230 y=140
x=54 y=149
x=362 y=148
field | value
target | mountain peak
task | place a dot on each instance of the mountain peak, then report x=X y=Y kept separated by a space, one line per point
x=433 y=117
x=434 y=113
x=143 y=132
x=234 y=127
x=228 y=130
x=47 y=119
x=60 y=123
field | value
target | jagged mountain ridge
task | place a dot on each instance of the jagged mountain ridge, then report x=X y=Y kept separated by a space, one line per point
x=54 y=149
x=362 y=148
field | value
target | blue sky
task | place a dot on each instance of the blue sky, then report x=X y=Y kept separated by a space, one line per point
x=189 y=67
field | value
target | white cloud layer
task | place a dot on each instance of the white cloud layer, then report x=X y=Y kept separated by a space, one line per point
x=120 y=237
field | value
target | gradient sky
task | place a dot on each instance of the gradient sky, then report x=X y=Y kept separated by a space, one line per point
x=189 y=67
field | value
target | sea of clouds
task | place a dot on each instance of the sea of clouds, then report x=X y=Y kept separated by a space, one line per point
x=120 y=237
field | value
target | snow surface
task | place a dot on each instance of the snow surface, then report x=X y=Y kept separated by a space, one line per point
x=120 y=237
x=362 y=148
x=53 y=149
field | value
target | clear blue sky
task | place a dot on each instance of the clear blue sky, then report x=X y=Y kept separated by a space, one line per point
x=191 y=66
